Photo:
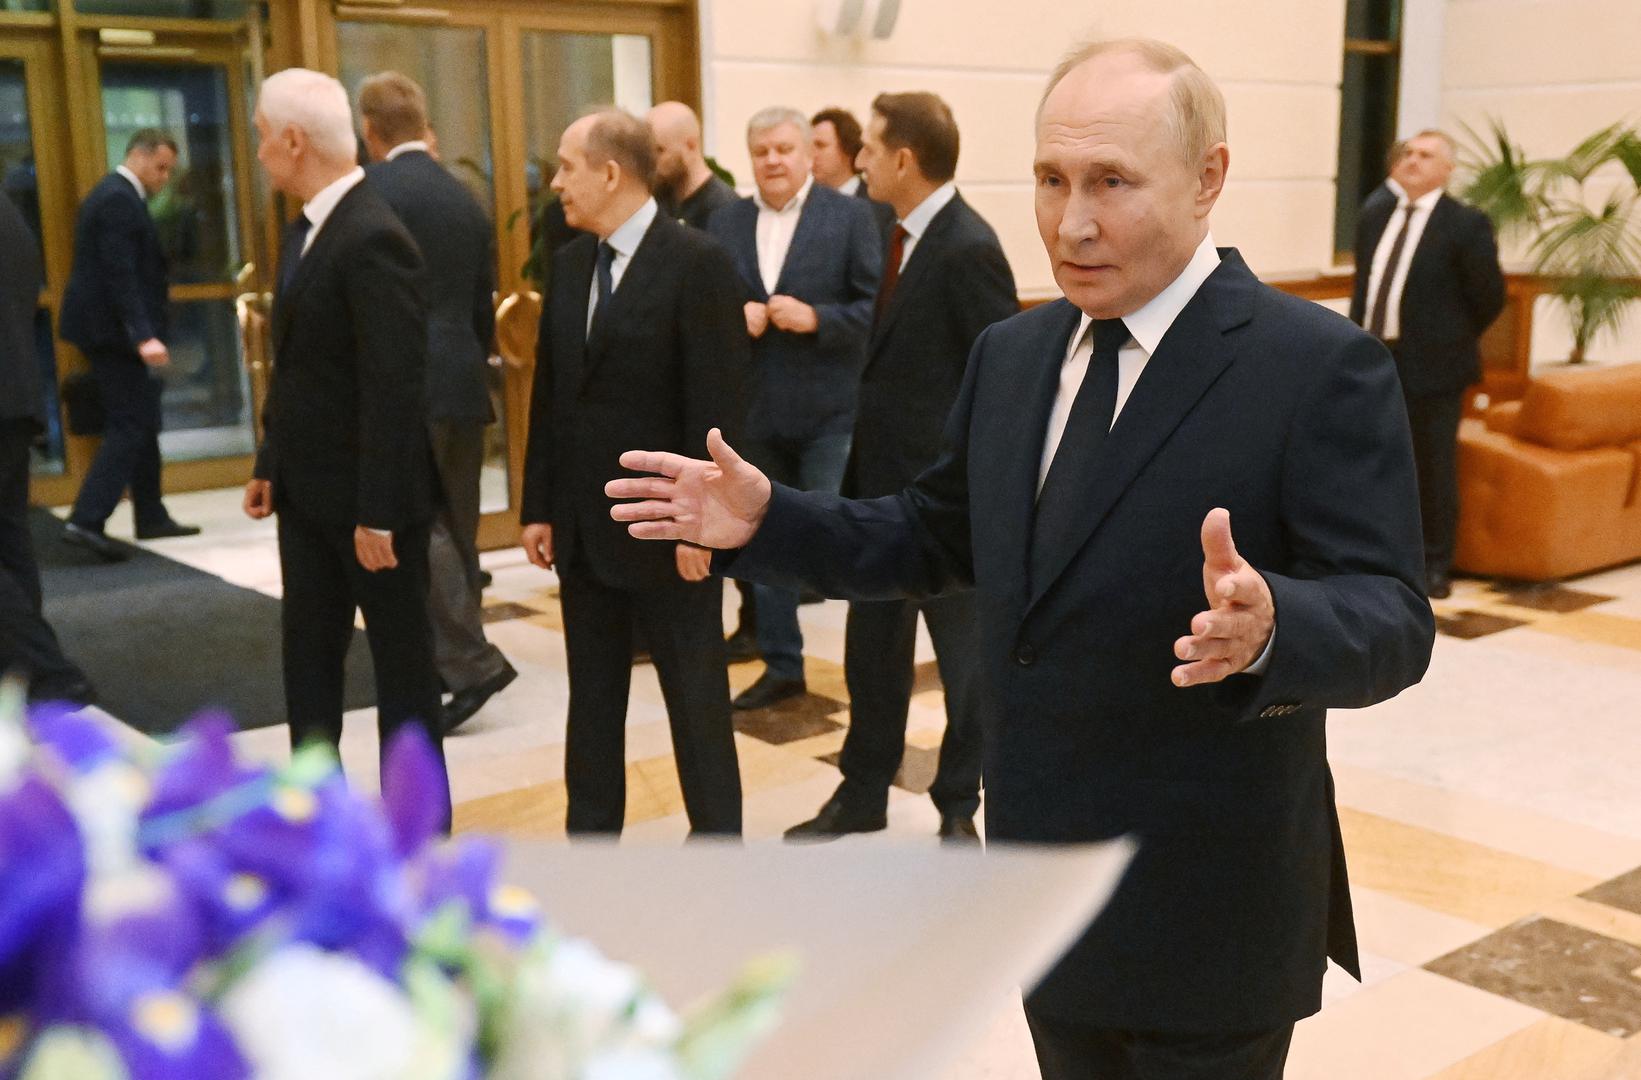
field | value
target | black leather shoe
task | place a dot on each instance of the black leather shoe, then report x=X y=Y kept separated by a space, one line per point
x=838 y=818
x=1439 y=589
x=464 y=703
x=95 y=542
x=741 y=647
x=165 y=530
x=769 y=690
x=958 y=830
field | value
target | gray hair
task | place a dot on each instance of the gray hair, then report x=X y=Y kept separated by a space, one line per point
x=315 y=104
x=1196 y=117
x=619 y=136
x=773 y=117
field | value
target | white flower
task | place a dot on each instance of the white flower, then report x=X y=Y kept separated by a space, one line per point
x=572 y=1007
x=106 y=803
x=14 y=744
x=632 y=1063
x=306 y=1014
x=73 y=1053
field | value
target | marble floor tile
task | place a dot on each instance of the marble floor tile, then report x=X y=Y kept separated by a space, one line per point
x=1338 y=984
x=1599 y=627
x=1409 y=1027
x=1623 y=891
x=1551 y=596
x=1552 y=1049
x=1563 y=970
x=1467 y=625
x=1597 y=918
x=1450 y=875
x=1404 y=931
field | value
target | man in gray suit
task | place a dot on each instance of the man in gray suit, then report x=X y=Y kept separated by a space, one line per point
x=27 y=644
x=454 y=236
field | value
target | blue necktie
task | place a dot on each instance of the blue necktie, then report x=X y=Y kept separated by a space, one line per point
x=290 y=253
x=606 y=260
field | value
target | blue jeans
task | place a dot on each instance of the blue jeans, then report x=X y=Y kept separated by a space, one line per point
x=815 y=463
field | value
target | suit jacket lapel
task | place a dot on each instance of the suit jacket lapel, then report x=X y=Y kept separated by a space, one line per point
x=1190 y=358
x=808 y=218
x=308 y=265
x=570 y=314
x=925 y=252
x=1022 y=447
x=744 y=249
x=646 y=261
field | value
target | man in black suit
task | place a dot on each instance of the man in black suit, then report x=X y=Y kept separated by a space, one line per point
x=836 y=139
x=685 y=184
x=945 y=280
x=453 y=235
x=114 y=311
x=641 y=339
x=27 y=644
x=810 y=260
x=1428 y=284
x=1102 y=556
x=345 y=459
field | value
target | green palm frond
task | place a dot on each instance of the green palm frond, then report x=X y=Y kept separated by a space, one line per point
x=1503 y=184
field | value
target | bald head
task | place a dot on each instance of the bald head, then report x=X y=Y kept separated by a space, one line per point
x=680 y=166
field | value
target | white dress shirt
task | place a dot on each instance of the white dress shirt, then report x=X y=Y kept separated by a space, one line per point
x=851 y=186
x=405 y=148
x=1146 y=329
x=775 y=231
x=625 y=240
x=142 y=192
x=917 y=222
x=1420 y=209
x=320 y=206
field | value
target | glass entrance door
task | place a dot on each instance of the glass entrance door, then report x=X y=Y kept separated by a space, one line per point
x=203 y=218
x=503 y=79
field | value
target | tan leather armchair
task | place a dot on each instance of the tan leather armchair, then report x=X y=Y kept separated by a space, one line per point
x=1550 y=485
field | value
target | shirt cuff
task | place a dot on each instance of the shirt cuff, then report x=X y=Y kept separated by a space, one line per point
x=384 y=532
x=1258 y=666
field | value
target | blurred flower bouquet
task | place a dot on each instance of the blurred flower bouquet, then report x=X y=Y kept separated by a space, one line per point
x=192 y=917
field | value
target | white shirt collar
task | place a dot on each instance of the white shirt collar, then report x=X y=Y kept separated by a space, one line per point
x=1427 y=201
x=630 y=233
x=850 y=187
x=1148 y=325
x=405 y=148
x=793 y=205
x=917 y=222
x=1395 y=189
x=324 y=201
x=142 y=192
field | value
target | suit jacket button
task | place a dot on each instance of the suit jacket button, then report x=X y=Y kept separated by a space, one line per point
x=1025 y=655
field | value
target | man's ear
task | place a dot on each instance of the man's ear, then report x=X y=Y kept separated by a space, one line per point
x=1211 y=177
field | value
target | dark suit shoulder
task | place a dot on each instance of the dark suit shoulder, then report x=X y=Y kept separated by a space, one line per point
x=833 y=201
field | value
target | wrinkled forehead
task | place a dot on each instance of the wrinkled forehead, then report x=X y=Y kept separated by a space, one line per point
x=1114 y=99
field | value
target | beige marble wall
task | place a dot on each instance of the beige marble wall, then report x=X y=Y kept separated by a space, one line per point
x=1553 y=71
x=989 y=59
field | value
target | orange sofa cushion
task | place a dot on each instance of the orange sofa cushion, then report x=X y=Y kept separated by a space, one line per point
x=1582 y=408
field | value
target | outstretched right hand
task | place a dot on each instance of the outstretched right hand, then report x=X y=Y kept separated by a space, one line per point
x=716 y=504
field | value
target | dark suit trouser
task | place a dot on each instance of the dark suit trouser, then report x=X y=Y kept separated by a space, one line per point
x=27 y=642
x=324 y=585
x=812 y=463
x=1434 y=419
x=129 y=456
x=878 y=665
x=461 y=652
x=1071 y=1052
x=683 y=624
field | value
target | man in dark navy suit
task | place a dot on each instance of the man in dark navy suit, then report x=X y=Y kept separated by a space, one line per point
x=1428 y=284
x=641 y=338
x=114 y=311
x=1148 y=674
x=454 y=236
x=945 y=280
x=809 y=259
x=345 y=460
x=28 y=646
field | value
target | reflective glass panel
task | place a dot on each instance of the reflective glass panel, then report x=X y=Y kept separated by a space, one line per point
x=197 y=213
x=207 y=398
x=169 y=9
x=48 y=450
x=17 y=174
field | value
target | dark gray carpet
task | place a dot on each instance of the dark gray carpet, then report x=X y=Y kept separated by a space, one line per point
x=162 y=641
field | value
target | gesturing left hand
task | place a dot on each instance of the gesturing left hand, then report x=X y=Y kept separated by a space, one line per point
x=1237 y=626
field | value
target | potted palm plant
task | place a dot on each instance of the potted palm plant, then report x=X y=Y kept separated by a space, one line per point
x=1579 y=214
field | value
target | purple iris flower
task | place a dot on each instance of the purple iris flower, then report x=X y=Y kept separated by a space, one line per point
x=413 y=780
x=42 y=870
x=79 y=740
x=467 y=871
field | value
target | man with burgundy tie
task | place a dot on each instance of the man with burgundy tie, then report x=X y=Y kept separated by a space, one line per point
x=1428 y=284
x=945 y=280
x=1144 y=674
